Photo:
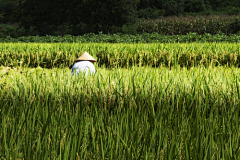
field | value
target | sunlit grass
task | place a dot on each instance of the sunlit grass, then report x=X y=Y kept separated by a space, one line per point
x=50 y=55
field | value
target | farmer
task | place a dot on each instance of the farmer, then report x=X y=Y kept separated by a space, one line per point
x=84 y=64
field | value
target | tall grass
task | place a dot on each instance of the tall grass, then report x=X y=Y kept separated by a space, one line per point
x=137 y=113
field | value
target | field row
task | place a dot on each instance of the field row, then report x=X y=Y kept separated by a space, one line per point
x=184 y=25
x=49 y=55
x=138 y=113
x=127 y=38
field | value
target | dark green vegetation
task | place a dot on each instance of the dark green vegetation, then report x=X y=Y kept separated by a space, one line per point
x=126 y=38
x=138 y=113
x=77 y=17
x=183 y=25
x=50 y=55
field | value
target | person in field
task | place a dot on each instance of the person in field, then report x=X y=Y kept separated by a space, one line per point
x=84 y=64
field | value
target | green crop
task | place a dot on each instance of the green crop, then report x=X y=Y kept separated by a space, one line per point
x=121 y=55
x=182 y=25
x=135 y=113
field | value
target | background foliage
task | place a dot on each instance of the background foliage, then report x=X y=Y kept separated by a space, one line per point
x=126 y=38
x=76 y=17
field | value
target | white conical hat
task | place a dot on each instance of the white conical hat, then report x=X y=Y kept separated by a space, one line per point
x=85 y=57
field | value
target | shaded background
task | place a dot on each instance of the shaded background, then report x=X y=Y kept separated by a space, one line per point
x=77 y=17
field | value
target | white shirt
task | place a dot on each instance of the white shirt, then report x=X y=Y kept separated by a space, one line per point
x=83 y=66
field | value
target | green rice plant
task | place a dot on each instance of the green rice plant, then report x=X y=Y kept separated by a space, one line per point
x=120 y=55
x=134 y=113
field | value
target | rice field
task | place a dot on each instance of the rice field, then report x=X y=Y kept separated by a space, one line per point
x=55 y=55
x=120 y=113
